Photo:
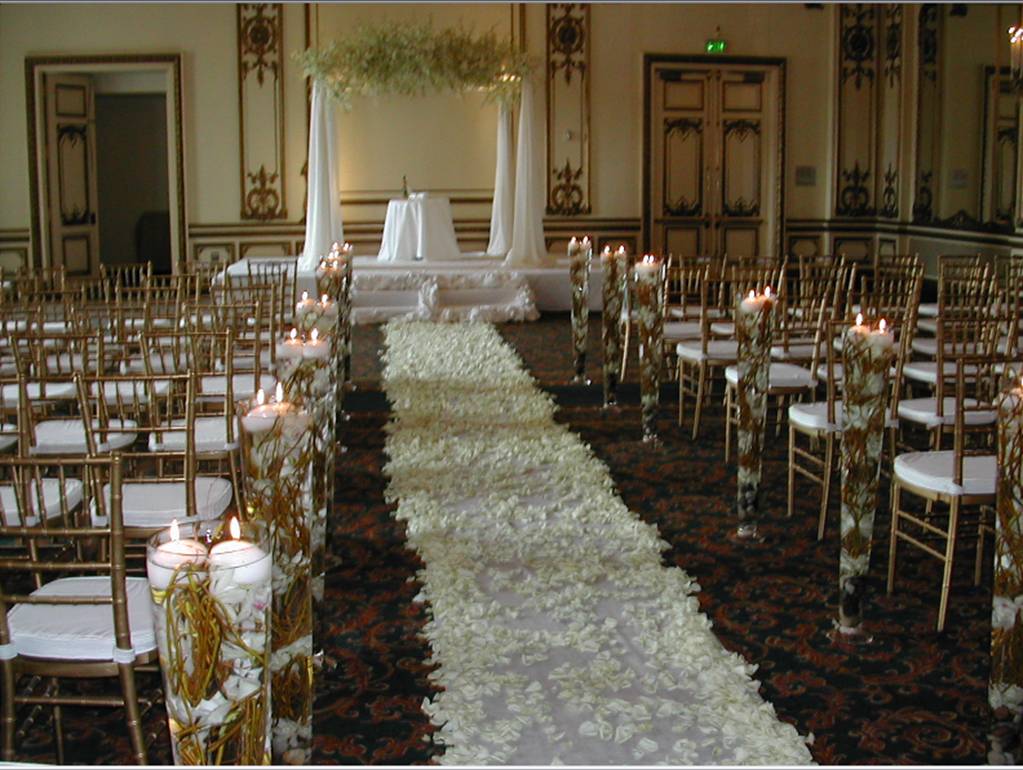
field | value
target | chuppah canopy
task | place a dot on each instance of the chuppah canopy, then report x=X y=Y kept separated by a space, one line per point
x=411 y=60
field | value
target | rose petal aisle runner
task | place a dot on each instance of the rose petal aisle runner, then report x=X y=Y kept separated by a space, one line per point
x=558 y=634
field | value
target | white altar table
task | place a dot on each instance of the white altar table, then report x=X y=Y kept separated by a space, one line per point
x=419 y=227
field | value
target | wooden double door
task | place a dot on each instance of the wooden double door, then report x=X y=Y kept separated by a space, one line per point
x=714 y=174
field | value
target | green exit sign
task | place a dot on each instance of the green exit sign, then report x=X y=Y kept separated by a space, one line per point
x=716 y=45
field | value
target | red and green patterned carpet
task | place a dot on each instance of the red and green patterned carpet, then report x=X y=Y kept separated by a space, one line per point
x=916 y=696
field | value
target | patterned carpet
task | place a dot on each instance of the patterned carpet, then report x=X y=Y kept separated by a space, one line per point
x=916 y=696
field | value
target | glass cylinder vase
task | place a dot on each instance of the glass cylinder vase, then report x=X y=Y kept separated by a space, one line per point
x=648 y=291
x=753 y=331
x=211 y=595
x=867 y=355
x=580 y=254
x=1005 y=688
x=277 y=442
x=614 y=287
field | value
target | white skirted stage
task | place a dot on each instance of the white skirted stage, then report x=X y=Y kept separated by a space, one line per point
x=472 y=288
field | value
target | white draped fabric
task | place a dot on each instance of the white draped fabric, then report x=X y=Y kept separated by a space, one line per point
x=323 y=206
x=502 y=213
x=558 y=635
x=527 y=246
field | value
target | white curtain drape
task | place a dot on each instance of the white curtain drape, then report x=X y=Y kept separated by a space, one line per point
x=323 y=199
x=502 y=213
x=527 y=246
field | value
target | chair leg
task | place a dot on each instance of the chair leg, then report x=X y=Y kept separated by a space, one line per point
x=702 y=377
x=728 y=422
x=7 y=712
x=625 y=349
x=681 y=392
x=950 y=545
x=826 y=473
x=978 y=557
x=58 y=726
x=790 y=504
x=892 y=544
x=131 y=708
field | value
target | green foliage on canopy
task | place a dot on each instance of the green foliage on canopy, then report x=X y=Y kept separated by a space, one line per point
x=412 y=59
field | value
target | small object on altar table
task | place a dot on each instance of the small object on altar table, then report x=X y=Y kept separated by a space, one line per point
x=404 y=186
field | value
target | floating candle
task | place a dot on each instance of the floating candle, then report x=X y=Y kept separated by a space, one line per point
x=171 y=556
x=249 y=562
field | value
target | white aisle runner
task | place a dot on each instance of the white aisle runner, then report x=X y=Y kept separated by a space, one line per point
x=559 y=635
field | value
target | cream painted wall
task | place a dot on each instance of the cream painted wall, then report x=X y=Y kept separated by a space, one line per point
x=622 y=33
x=439 y=142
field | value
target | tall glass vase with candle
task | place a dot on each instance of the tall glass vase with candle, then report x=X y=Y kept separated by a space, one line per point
x=580 y=254
x=614 y=265
x=1005 y=688
x=211 y=595
x=867 y=354
x=277 y=441
x=648 y=283
x=306 y=367
x=754 y=325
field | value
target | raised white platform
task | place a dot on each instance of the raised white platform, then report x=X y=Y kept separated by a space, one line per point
x=472 y=287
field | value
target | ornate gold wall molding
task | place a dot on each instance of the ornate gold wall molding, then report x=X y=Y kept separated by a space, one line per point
x=261 y=109
x=568 y=109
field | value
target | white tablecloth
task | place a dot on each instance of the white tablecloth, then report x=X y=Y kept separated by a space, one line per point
x=418 y=227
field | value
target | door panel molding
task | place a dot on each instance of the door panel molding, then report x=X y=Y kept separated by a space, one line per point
x=35 y=68
x=736 y=98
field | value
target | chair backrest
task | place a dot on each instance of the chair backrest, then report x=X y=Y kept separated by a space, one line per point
x=282 y=273
x=55 y=546
x=977 y=381
x=127 y=274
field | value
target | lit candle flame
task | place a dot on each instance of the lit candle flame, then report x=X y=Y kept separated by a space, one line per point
x=236 y=530
x=260 y=397
x=279 y=393
x=294 y=333
x=305 y=296
x=752 y=294
x=607 y=251
x=175 y=530
x=314 y=335
x=324 y=299
x=767 y=291
x=882 y=325
x=859 y=319
x=621 y=250
x=586 y=239
x=574 y=240
x=335 y=247
x=347 y=246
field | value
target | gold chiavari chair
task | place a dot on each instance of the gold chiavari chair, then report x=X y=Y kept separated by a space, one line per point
x=282 y=273
x=682 y=308
x=961 y=479
x=65 y=614
x=33 y=279
x=958 y=277
x=697 y=359
x=127 y=275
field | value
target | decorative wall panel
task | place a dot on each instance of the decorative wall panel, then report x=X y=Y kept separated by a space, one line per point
x=928 y=135
x=568 y=109
x=889 y=119
x=261 y=109
x=857 y=109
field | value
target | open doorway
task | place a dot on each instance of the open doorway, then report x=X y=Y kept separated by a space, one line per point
x=106 y=161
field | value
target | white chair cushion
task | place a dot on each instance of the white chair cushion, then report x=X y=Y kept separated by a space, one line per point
x=55 y=391
x=814 y=416
x=216 y=385
x=723 y=328
x=929 y=325
x=798 y=351
x=924 y=411
x=164 y=362
x=717 y=350
x=82 y=632
x=927 y=371
x=51 y=501
x=928 y=309
x=933 y=471
x=778 y=376
x=8 y=436
x=156 y=504
x=928 y=346
x=210 y=436
x=836 y=372
x=681 y=330
x=54 y=437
